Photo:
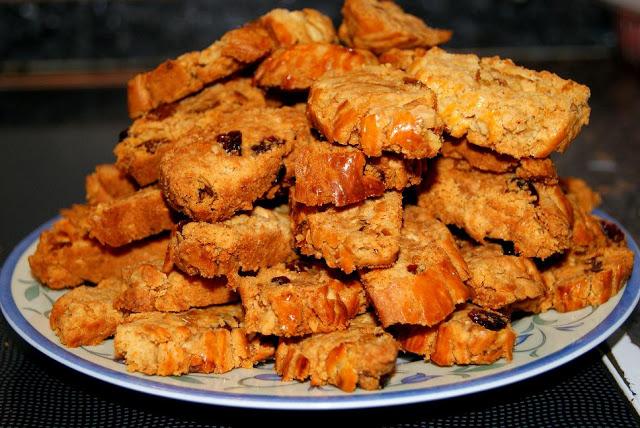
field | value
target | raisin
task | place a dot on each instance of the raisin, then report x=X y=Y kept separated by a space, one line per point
x=612 y=231
x=206 y=191
x=413 y=268
x=317 y=135
x=231 y=142
x=595 y=265
x=248 y=273
x=151 y=146
x=489 y=320
x=280 y=280
x=266 y=144
x=411 y=81
x=162 y=112
x=123 y=134
x=299 y=265
x=528 y=185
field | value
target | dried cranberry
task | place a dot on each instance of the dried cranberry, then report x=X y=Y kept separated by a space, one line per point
x=528 y=185
x=413 y=268
x=151 y=146
x=162 y=112
x=595 y=265
x=612 y=231
x=280 y=280
x=266 y=144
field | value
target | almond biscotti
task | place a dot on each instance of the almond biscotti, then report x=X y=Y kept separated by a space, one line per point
x=85 y=315
x=377 y=108
x=362 y=355
x=240 y=243
x=472 y=335
x=426 y=282
x=497 y=280
x=177 y=78
x=233 y=164
x=130 y=218
x=357 y=236
x=501 y=106
x=536 y=217
x=66 y=256
x=149 y=289
x=144 y=143
x=380 y=25
x=342 y=175
x=297 y=67
x=107 y=183
x=299 y=298
x=209 y=340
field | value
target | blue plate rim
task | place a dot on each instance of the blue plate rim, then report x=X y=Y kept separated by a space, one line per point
x=594 y=337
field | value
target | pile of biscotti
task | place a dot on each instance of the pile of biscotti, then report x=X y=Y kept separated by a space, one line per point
x=327 y=200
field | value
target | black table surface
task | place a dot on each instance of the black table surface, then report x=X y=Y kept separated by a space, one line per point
x=49 y=141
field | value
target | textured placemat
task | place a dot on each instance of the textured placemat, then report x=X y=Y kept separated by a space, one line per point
x=37 y=391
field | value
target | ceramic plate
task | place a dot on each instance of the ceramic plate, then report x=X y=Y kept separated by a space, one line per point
x=544 y=341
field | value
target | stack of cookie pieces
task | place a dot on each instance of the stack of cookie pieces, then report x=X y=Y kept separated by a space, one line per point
x=281 y=195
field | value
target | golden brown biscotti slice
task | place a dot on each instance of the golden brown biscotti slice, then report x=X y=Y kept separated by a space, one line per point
x=536 y=217
x=209 y=340
x=131 y=218
x=342 y=175
x=234 y=163
x=472 y=335
x=245 y=242
x=85 y=315
x=380 y=25
x=588 y=275
x=177 y=78
x=297 y=67
x=144 y=143
x=401 y=58
x=357 y=236
x=107 y=183
x=501 y=106
x=67 y=257
x=149 y=289
x=426 y=282
x=362 y=355
x=496 y=280
x=377 y=108
x=542 y=170
x=299 y=298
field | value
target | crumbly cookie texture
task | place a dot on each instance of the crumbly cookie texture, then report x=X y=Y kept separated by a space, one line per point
x=342 y=175
x=144 y=143
x=401 y=58
x=536 y=217
x=357 y=236
x=66 y=256
x=496 y=280
x=377 y=108
x=472 y=335
x=362 y=355
x=426 y=282
x=542 y=170
x=107 y=183
x=130 y=218
x=380 y=25
x=85 y=315
x=297 y=67
x=233 y=164
x=580 y=194
x=240 y=243
x=502 y=106
x=595 y=268
x=299 y=298
x=149 y=289
x=174 y=79
x=209 y=340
